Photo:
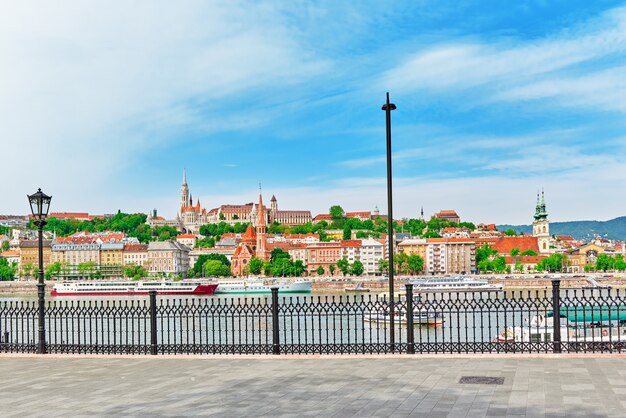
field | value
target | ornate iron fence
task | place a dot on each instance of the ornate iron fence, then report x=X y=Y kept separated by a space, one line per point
x=463 y=322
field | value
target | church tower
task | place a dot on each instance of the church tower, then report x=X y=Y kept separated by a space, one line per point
x=273 y=209
x=184 y=191
x=261 y=223
x=541 y=225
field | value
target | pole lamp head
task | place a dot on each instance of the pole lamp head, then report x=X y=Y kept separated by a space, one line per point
x=388 y=106
x=39 y=204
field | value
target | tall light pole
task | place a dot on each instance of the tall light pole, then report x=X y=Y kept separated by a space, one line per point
x=388 y=107
x=39 y=205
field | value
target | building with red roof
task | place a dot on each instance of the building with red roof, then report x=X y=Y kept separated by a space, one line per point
x=523 y=243
x=449 y=215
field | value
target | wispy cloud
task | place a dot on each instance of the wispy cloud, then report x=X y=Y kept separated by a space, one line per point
x=570 y=64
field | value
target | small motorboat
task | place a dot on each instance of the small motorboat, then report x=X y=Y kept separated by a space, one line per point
x=358 y=288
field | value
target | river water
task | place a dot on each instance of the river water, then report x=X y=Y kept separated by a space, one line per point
x=317 y=320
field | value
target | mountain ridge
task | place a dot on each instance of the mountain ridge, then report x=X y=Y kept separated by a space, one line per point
x=581 y=230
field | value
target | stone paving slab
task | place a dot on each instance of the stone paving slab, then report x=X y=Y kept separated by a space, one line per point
x=168 y=386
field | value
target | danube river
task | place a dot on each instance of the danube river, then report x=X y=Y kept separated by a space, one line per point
x=317 y=320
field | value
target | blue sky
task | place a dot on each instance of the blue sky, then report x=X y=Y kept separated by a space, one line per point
x=104 y=103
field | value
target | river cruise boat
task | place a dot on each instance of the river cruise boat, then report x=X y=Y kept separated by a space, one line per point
x=132 y=288
x=581 y=324
x=454 y=284
x=259 y=286
x=420 y=317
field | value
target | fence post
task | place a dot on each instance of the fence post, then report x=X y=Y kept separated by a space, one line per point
x=275 y=333
x=410 y=331
x=153 y=323
x=556 y=315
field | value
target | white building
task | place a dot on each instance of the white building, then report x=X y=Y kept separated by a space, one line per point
x=136 y=254
x=188 y=240
x=372 y=251
x=168 y=257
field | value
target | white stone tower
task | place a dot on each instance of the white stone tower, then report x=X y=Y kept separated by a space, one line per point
x=184 y=191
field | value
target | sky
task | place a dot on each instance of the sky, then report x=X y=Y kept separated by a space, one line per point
x=104 y=103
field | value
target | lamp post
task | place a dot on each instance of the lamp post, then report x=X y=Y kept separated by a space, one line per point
x=388 y=107
x=39 y=205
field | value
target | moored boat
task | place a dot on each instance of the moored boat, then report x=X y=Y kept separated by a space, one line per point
x=420 y=317
x=132 y=288
x=580 y=324
x=454 y=284
x=258 y=286
x=357 y=288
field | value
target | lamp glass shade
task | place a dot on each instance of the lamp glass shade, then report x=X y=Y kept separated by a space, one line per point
x=39 y=204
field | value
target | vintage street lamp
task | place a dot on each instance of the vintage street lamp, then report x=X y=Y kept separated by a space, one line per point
x=388 y=107
x=39 y=205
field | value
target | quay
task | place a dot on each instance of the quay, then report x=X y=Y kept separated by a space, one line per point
x=379 y=284
x=329 y=386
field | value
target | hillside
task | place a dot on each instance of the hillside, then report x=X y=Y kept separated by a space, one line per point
x=583 y=230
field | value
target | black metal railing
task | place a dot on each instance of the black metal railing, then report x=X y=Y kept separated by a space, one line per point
x=541 y=321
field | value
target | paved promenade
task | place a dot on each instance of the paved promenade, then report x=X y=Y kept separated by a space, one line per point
x=325 y=386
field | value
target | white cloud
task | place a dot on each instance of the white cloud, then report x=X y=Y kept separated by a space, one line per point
x=506 y=69
x=87 y=88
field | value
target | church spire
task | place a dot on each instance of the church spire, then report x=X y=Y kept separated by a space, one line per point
x=540 y=208
x=261 y=222
x=184 y=176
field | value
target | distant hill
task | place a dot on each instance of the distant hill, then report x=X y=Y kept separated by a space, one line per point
x=582 y=230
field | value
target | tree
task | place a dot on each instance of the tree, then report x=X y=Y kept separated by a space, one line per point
x=267 y=268
x=357 y=268
x=620 y=264
x=27 y=270
x=515 y=252
x=5 y=246
x=415 y=264
x=319 y=270
x=206 y=242
x=255 y=266
x=336 y=212
x=554 y=263
x=383 y=265
x=519 y=266
x=278 y=253
x=88 y=269
x=605 y=262
x=484 y=253
x=499 y=265
x=134 y=271
x=215 y=268
x=529 y=253
x=7 y=272
x=402 y=263
x=331 y=269
x=343 y=266
x=347 y=232
x=197 y=267
x=510 y=232
x=53 y=270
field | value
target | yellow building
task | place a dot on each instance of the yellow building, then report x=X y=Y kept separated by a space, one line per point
x=587 y=254
x=29 y=253
x=413 y=246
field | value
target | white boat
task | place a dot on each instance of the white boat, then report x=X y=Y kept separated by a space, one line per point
x=454 y=284
x=256 y=285
x=132 y=288
x=420 y=317
x=581 y=325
